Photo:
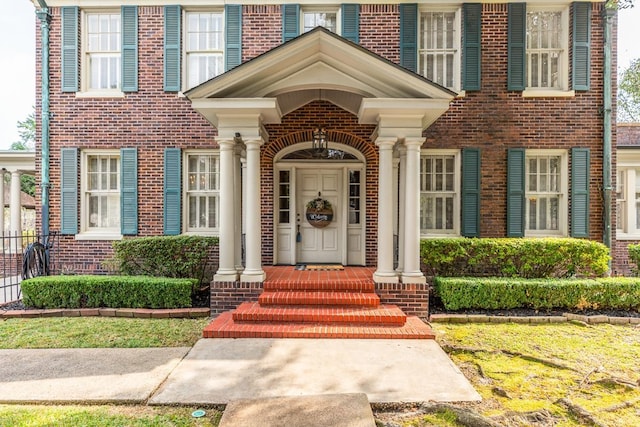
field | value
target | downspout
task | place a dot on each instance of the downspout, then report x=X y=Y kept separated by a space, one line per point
x=45 y=20
x=609 y=14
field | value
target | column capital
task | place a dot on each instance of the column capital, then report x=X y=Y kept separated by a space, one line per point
x=253 y=144
x=226 y=144
x=385 y=142
x=411 y=142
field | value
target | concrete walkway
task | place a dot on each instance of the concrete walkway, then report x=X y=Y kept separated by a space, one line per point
x=218 y=371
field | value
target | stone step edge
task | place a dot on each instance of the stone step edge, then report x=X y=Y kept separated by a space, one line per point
x=149 y=313
x=566 y=317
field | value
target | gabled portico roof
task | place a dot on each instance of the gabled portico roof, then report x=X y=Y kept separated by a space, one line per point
x=320 y=65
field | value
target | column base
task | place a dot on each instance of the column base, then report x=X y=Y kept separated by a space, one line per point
x=385 y=277
x=413 y=278
x=253 y=276
x=225 y=276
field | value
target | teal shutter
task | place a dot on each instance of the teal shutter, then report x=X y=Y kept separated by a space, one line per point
x=409 y=36
x=70 y=49
x=515 y=192
x=581 y=46
x=580 y=164
x=129 y=36
x=129 y=191
x=351 y=22
x=516 y=47
x=470 y=192
x=69 y=188
x=172 y=196
x=233 y=30
x=471 y=55
x=172 y=18
x=290 y=21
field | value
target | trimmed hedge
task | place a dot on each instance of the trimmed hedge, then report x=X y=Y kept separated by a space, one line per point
x=634 y=257
x=498 y=293
x=514 y=257
x=107 y=291
x=166 y=256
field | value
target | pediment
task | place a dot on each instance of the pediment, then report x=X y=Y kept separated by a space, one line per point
x=319 y=63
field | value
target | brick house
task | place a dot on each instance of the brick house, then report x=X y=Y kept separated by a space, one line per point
x=412 y=120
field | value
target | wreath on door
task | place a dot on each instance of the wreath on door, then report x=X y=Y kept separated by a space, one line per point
x=319 y=212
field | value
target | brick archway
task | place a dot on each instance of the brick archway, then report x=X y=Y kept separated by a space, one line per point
x=370 y=153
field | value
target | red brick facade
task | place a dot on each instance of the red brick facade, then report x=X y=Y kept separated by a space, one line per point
x=492 y=119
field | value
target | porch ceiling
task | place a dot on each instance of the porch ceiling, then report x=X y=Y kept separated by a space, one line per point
x=317 y=65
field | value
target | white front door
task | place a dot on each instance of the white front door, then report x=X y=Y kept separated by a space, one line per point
x=319 y=245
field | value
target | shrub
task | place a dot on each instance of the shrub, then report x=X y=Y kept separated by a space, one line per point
x=166 y=256
x=106 y=291
x=514 y=257
x=634 y=257
x=499 y=293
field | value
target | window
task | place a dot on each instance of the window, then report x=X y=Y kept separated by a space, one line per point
x=101 y=192
x=547 y=45
x=202 y=191
x=204 y=46
x=439 y=47
x=439 y=197
x=102 y=52
x=320 y=18
x=628 y=195
x=355 y=209
x=284 y=210
x=545 y=193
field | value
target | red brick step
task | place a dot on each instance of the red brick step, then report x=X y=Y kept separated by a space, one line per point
x=319 y=298
x=381 y=315
x=225 y=327
x=318 y=285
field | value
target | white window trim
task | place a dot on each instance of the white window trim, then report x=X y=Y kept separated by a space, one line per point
x=327 y=9
x=185 y=194
x=85 y=233
x=564 y=90
x=457 y=185
x=184 y=66
x=563 y=214
x=629 y=160
x=457 y=59
x=85 y=71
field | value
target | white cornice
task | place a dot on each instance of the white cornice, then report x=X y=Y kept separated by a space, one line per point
x=203 y=3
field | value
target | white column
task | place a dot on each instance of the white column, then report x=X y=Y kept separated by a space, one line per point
x=237 y=194
x=253 y=266
x=226 y=266
x=385 y=272
x=14 y=206
x=2 y=173
x=411 y=272
x=401 y=202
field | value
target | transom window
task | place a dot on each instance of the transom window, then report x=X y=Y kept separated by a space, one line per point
x=319 y=18
x=439 y=47
x=439 y=193
x=202 y=191
x=543 y=193
x=103 y=51
x=546 y=49
x=102 y=192
x=204 y=46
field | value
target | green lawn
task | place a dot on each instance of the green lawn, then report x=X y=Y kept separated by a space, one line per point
x=562 y=375
x=95 y=332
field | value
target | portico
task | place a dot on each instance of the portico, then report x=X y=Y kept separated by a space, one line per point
x=320 y=66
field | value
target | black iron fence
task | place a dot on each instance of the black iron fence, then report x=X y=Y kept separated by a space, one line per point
x=23 y=256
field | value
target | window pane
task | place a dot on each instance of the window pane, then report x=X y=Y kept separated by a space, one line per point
x=437 y=49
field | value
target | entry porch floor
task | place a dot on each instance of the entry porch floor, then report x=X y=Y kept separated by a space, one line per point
x=318 y=304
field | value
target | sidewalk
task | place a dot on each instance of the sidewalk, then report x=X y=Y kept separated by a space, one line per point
x=218 y=371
